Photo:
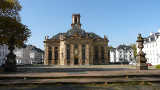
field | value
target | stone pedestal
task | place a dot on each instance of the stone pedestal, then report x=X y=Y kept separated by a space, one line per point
x=140 y=58
x=142 y=67
x=10 y=64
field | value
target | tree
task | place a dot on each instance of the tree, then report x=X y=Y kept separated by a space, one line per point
x=110 y=47
x=10 y=8
x=133 y=46
x=12 y=31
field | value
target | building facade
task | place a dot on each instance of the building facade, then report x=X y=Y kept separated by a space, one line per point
x=29 y=55
x=122 y=54
x=152 y=48
x=3 y=52
x=76 y=47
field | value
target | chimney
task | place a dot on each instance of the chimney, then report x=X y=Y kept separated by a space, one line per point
x=76 y=21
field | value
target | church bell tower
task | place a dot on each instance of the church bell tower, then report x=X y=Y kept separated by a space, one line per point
x=76 y=21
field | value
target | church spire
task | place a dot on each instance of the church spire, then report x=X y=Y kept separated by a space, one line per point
x=76 y=21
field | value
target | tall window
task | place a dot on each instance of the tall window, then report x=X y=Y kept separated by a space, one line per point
x=49 y=55
x=68 y=53
x=102 y=54
x=83 y=54
x=76 y=54
x=95 y=60
x=56 y=54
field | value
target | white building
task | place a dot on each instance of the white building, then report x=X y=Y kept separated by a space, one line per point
x=113 y=55
x=122 y=54
x=29 y=55
x=3 y=52
x=152 y=48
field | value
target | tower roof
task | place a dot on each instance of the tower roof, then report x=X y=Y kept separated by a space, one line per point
x=76 y=29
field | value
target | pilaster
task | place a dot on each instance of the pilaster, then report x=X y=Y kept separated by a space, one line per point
x=87 y=54
x=71 y=54
x=53 y=55
x=46 y=55
x=65 y=54
x=80 y=54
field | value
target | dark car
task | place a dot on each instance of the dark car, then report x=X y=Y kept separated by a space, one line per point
x=149 y=64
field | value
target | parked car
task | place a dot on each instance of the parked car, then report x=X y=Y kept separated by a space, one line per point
x=132 y=63
x=149 y=64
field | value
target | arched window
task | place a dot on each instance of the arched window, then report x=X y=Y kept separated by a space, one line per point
x=83 y=54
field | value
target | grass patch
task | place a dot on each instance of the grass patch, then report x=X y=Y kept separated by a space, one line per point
x=158 y=66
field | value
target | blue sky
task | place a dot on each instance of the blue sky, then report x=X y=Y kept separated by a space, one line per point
x=119 y=20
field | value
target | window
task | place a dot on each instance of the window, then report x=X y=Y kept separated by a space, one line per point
x=49 y=55
x=102 y=55
x=68 y=53
x=95 y=60
x=56 y=53
x=83 y=54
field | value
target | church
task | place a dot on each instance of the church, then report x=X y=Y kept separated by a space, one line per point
x=76 y=47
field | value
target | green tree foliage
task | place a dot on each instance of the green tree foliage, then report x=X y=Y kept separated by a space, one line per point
x=133 y=46
x=10 y=8
x=10 y=26
x=12 y=29
x=110 y=47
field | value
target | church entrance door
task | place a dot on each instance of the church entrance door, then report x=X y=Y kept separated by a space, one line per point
x=76 y=61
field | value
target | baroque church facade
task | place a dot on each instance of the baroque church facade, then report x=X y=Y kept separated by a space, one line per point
x=76 y=47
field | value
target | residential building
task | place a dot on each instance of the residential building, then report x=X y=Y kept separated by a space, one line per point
x=3 y=52
x=122 y=54
x=29 y=55
x=152 y=48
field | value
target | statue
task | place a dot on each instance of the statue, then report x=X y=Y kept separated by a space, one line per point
x=140 y=58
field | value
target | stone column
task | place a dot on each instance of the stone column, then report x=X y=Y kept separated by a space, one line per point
x=87 y=54
x=53 y=55
x=65 y=54
x=99 y=55
x=80 y=54
x=46 y=55
x=71 y=54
